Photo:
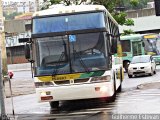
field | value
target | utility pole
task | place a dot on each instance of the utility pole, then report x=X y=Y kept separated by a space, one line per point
x=3 y=115
x=3 y=42
x=37 y=5
x=3 y=64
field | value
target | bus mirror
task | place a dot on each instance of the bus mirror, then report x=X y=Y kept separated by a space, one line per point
x=114 y=49
x=114 y=46
x=27 y=51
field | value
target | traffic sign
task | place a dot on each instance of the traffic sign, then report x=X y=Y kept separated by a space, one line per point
x=72 y=38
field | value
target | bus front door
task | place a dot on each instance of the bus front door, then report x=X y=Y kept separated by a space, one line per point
x=137 y=48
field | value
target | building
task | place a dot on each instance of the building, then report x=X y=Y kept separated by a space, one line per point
x=14 y=49
x=10 y=6
x=145 y=21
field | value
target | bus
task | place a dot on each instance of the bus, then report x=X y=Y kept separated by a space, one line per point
x=132 y=45
x=140 y=44
x=152 y=46
x=72 y=50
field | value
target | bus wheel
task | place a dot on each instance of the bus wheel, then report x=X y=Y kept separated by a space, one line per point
x=121 y=78
x=54 y=104
x=113 y=98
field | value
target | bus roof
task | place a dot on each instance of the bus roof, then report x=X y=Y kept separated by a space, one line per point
x=139 y=36
x=73 y=9
x=131 y=37
x=69 y=9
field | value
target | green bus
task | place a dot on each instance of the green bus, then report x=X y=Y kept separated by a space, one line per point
x=140 y=44
x=152 y=46
x=132 y=45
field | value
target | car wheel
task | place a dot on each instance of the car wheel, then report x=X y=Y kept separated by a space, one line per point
x=126 y=64
x=151 y=72
x=130 y=76
x=155 y=70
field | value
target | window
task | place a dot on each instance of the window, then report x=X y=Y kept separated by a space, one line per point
x=126 y=47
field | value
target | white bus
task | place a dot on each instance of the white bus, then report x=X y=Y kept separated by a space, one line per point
x=72 y=49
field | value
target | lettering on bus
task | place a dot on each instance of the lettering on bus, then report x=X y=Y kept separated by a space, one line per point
x=59 y=78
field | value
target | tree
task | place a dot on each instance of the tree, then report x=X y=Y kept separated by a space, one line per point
x=48 y=3
x=11 y=15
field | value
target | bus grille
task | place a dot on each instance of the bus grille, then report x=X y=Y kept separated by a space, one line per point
x=64 y=82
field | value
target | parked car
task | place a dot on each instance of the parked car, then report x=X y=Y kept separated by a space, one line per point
x=10 y=74
x=142 y=65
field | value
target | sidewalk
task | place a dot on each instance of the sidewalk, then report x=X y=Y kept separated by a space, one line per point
x=19 y=67
x=20 y=85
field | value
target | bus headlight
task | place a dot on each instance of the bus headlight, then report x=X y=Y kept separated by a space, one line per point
x=44 y=93
x=43 y=84
x=103 y=89
x=101 y=78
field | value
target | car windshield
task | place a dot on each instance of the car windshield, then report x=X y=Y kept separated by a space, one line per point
x=140 y=59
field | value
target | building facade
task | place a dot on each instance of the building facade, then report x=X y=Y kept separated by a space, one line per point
x=14 y=49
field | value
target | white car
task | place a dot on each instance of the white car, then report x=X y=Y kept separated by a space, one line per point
x=142 y=65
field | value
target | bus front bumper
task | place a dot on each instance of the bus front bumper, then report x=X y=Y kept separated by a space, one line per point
x=75 y=92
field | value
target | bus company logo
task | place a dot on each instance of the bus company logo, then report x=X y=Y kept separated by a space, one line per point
x=59 y=78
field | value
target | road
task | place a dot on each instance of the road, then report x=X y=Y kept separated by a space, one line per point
x=131 y=101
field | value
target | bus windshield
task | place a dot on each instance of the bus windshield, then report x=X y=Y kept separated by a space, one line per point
x=126 y=46
x=71 y=53
x=65 y=23
x=152 y=46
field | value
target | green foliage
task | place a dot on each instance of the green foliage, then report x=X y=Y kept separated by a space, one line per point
x=134 y=2
x=120 y=17
x=55 y=1
x=11 y=15
x=129 y=22
x=66 y=2
x=127 y=32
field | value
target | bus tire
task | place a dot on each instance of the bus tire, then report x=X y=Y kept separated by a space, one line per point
x=121 y=78
x=113 y=98
x=54 y=104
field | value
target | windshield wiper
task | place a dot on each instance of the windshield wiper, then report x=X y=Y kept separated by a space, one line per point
x=55 y=71
x=81 y=61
